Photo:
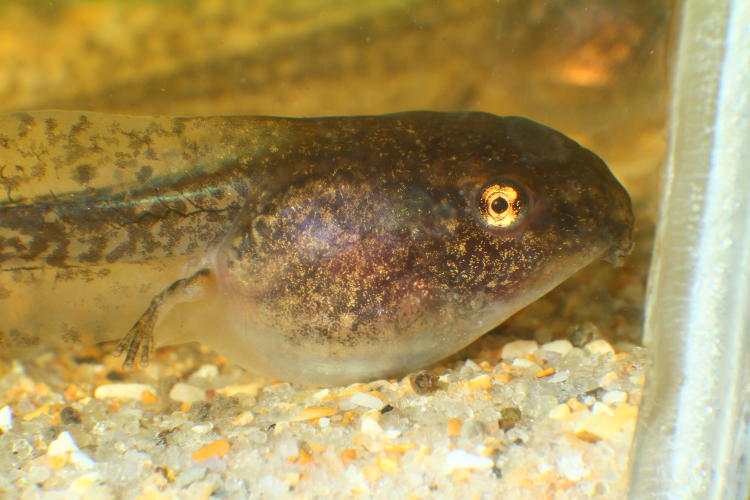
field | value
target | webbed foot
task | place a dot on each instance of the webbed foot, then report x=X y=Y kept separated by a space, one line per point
x=139 y=341
x=140 y=337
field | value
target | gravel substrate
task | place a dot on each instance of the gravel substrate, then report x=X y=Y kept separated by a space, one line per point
x=523 y=420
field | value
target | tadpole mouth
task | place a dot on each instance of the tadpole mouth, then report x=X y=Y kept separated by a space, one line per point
x=622 y=238
x=618 y=252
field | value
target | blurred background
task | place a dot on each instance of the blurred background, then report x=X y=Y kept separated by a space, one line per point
x=597 y=71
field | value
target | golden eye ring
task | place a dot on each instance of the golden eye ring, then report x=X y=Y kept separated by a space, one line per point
x=501 y=205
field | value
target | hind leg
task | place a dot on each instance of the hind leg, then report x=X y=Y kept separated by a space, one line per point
x=139 y=341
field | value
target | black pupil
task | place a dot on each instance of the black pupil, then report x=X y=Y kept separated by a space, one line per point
x=499 y=205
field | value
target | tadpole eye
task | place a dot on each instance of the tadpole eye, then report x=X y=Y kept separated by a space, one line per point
x=499 y=205
x=502 y=204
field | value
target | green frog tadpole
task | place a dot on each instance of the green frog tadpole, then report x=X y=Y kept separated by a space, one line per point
x=315 y=250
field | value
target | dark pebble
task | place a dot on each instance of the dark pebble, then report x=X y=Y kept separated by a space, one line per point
x=69 y=416
x=509 y=417
x=423 y=382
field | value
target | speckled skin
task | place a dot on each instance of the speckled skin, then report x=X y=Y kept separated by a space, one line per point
x=336 y=249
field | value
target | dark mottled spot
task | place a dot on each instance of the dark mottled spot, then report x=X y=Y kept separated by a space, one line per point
x=123 y=249
x=69 y=415
x=22 y=339
x=124 y=160
x=13 y=243
x=509 y=417
x=178 y=126
x=82 y=125
x=4 y=142
x=137 y=141
x=84 y=173
x=70 y=336
x=58 y=257
x=144 y=174
x=103 y=272
x=26 y=124
x=162 y=436
x=86 y=360
x=38 y=170
x=201 y=410
x=423 y=382
x=115 y=376
x=584 y=334
x=386 y=409
x=95 y=251
x=595 y=393
x=42 y=240
x=51 y=125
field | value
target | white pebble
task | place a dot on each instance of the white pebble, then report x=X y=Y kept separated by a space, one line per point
x=614 y=397
x=63 y=445
x=605 y=426
x=608 y=380
x=208 y=372
x=525 y=364
x=83 y=484
x=186 y=393
x=202 y=428
x=189 y=476
x=471 y=365
x=122 y=391
x=519 y=348
x=272 y=486
x=558 y=377
x=571 y=466
x=598 y=407
x=244 y=418
x=367 y=400
x=287 y=447
x=599 y=346
x=322 y=393
x=6 y=419
x=472 y=428
x=459 y=459
x=561 y=347
x=560 y=411
x=202 y=489
x=81 y=460
x=235 y=389
x=38 y=474
x=371 y=427
x=392 y=433
x=587 y=400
